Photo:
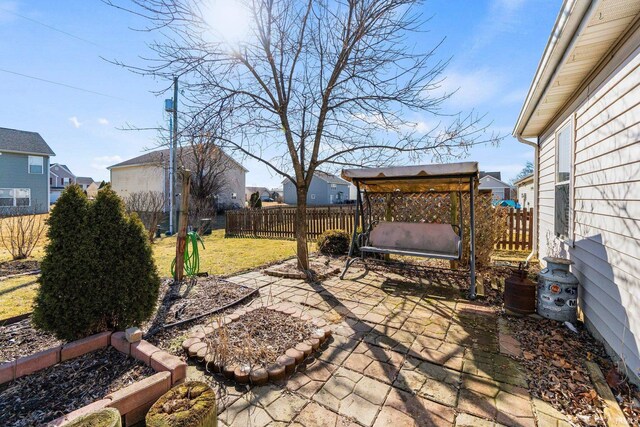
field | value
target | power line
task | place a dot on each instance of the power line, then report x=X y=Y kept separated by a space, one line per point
x=52 y=27
x=61 y=84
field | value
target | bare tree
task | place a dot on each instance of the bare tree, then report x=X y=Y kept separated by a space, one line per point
x=149 y=205
x=209 y=166
x=20 y=230
x=317 y=83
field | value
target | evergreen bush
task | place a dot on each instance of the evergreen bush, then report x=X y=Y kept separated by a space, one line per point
x=334 y=242
x=98 y=272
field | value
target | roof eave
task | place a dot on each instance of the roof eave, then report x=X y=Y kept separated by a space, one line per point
x=567 y=23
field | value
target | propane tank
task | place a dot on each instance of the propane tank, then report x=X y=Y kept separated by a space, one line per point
x=557 y=291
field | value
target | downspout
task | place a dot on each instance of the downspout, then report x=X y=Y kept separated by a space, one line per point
x=536 y=169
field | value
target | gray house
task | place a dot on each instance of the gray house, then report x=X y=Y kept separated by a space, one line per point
x=325 y=189
x=60 y=177
x=24 y=162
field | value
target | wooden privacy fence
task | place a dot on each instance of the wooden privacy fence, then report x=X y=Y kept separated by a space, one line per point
x=279 y=222
x=519 y=232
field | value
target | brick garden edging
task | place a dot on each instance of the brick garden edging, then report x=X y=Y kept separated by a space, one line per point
x=285 y=364
x=132 y=401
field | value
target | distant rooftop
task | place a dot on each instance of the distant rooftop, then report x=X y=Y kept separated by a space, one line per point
x=21 y=141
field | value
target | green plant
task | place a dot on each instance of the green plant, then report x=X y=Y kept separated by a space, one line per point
x=98 y=272
x=334 y=242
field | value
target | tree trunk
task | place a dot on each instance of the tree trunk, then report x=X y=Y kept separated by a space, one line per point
x=301 y=230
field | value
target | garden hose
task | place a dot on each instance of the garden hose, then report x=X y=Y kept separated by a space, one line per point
x=191 y=255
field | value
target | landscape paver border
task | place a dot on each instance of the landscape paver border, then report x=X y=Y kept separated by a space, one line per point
x=132 y=401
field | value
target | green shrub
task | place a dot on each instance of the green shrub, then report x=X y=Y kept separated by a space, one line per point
x=334 y=242
x=255 y=201
x=98 y=272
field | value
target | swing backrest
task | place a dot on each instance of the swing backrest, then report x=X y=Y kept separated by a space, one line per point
x=416 y=237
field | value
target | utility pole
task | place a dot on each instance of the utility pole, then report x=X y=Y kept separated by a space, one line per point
x=181 y=240
x=175 y=145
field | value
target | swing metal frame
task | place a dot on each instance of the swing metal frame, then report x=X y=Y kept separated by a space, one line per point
x=446 y=178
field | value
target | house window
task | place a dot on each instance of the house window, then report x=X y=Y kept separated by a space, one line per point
x=234 y=196
x=36 y=164
x=65 y=181
x=563 y=178
x=313 y=197
x=334 y=186
x=50 y=181
x=15 y=197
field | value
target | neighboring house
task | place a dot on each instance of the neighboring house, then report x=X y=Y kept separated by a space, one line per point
x=92 y=190
x=24 y=162
x=491 y=181
x=582 y=116
x=60 y=177
x=248 y=191
x=277 y=194
x=150 y=172
x=525 y=193
x=84 y=182
x=325 y=189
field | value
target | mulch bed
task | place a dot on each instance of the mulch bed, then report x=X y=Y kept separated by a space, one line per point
x=554 y=357
x=320 y=268
x=23 y=339
x=48 y=394
x=9 y=268
x=195 y=297
x=257 y=338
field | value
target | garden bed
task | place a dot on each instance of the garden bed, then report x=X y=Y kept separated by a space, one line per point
x=11 y=268
x=193 y=298
x=554 y=357
x=257 y=344
x=48 y=394
x=23 y=339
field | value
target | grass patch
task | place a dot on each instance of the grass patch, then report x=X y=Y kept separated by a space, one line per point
x=226 y=256
x=16 y=295
x=220 y=257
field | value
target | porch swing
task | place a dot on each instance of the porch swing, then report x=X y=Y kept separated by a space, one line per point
x=407 y=233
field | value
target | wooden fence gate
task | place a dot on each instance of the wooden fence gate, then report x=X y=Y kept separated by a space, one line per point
x=519 y=233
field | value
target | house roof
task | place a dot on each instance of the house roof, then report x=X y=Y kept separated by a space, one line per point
x=523 y=180
x=258 y=189
x=22 y=141
x=496 y=175
x=582 y=38
x=65 y=167
x=420 y=178
x=84 y=180
x=159 y=157
x=329 y=178
x=493 y=178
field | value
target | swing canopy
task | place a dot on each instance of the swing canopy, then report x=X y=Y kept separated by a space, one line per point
x=414 y=179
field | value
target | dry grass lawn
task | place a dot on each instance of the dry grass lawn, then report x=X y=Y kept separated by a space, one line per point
x=220 y=257
x=16 y=295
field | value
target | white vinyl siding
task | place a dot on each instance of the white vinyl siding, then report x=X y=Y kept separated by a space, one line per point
x=606 y=204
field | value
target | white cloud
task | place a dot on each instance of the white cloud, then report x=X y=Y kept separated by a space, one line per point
x=75 y=122
x=472 y=88
x=503 y=17
x=103 y=121
x=102 y=162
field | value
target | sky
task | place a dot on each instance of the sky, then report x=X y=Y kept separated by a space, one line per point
x=57 y=77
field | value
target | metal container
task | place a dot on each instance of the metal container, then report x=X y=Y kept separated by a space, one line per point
x=557 y=291
x=520 y=292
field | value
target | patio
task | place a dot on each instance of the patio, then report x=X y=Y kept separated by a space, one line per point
x=402 y=353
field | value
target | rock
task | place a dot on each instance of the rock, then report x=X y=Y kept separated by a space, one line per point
x=133 y=334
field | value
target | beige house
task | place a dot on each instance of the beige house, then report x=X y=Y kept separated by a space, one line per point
x=150 y=172
x=525 y=191
x=582 y=116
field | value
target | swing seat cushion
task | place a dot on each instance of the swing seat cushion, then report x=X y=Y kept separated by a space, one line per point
x=415 y=239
